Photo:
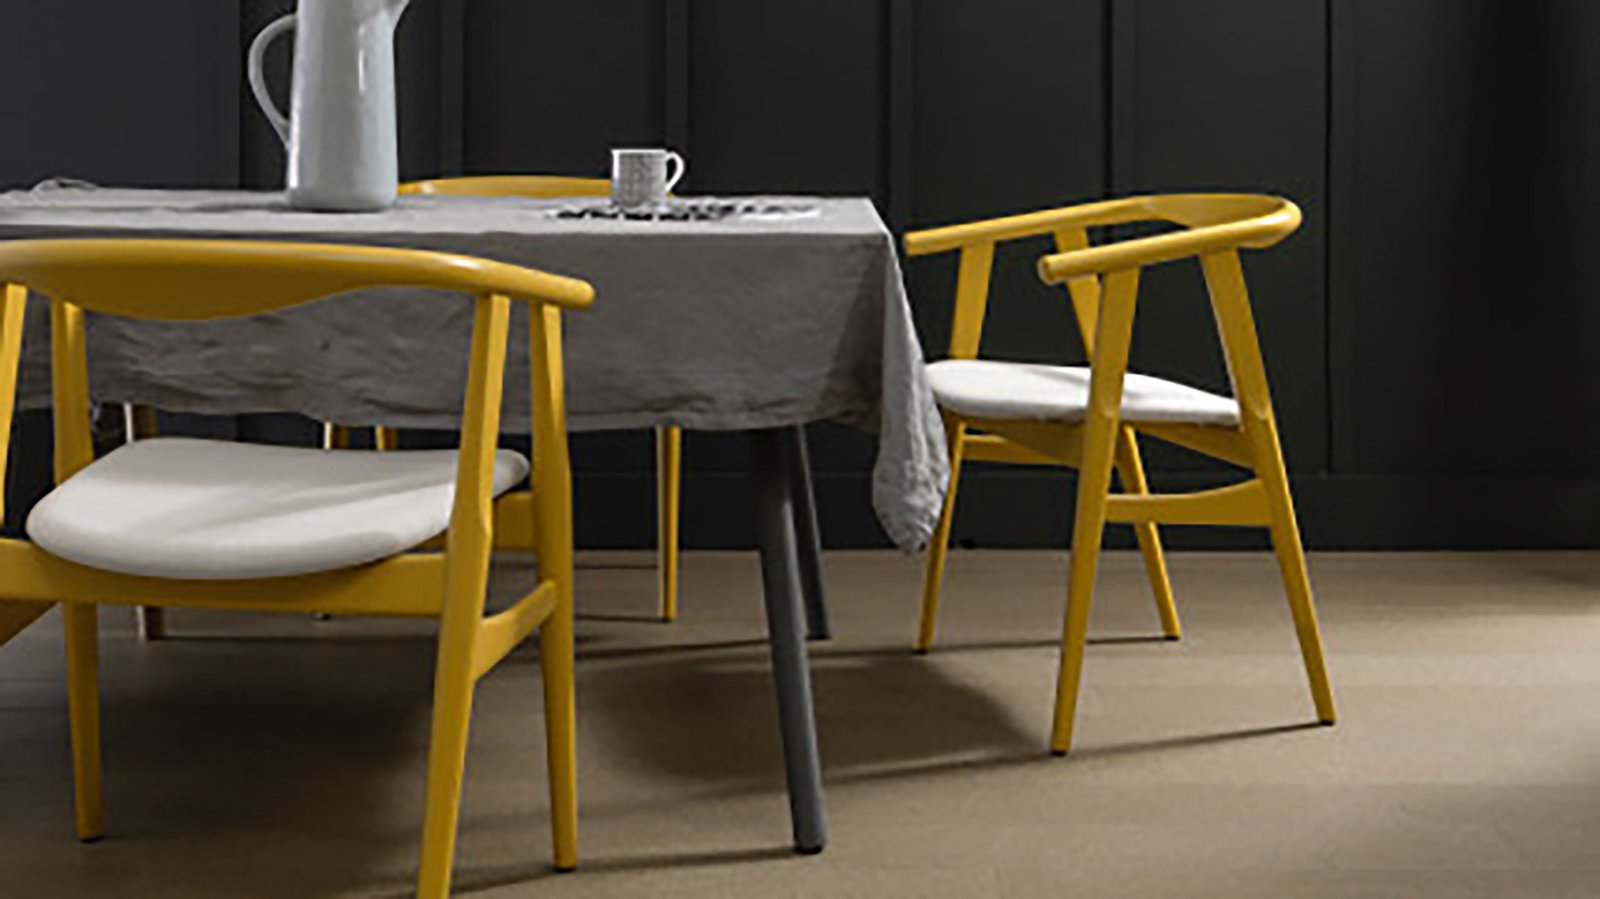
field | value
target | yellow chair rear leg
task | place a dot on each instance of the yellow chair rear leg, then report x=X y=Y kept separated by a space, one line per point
x=152 y=623
x=83 y=703
x=669 y=490
x=335 y=436
x=939 y=545
x=556 y=658
x=1130 y=471
x=1292 y=562
x=1230 y=301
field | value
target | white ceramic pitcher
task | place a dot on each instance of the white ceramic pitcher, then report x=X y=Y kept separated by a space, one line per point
x=341 y=129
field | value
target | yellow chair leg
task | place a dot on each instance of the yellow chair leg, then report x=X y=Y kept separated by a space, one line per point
x=560 y=713
x=1094 y=481
x=1292 y=562
x=1114 y=333
x=335 y=436
x=152 y=623
x=669 y=489
x=447 y=757
x=141 y=424
x=83 y=703
x=939 y=545
x=386 y=439
x=1230 y=302
x=1130 y=471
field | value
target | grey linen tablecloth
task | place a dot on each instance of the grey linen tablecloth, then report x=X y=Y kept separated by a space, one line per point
x=750 y=322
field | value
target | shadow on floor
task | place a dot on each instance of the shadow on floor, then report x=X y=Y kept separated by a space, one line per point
x=1190 y=741
x=707 y=713
x=485 y=879
x=1050 y=643
x=283 y=778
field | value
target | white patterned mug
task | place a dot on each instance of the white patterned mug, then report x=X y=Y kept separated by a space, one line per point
x=640 y=178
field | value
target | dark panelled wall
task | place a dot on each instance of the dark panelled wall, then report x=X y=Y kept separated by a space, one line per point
x=1428 y=331
x=1464 y=395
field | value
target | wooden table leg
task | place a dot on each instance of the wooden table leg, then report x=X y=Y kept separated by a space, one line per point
x=771 y=460
x=797 y=463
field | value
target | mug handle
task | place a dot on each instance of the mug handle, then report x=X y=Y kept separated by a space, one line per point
x=258 y=81
x=683 y=169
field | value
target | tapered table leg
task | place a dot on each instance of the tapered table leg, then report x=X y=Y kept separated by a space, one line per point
x=771 y=460
x=797 y=461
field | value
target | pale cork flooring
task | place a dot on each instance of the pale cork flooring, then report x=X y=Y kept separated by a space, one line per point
x=283 y=757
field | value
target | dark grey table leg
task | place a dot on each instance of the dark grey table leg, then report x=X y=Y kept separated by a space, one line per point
x=798 y=462
x=770 y=463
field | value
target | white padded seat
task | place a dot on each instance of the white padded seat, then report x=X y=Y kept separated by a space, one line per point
x=1012 y=391
x=174 y=507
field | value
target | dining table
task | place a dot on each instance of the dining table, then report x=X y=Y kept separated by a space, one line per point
x=752 y=314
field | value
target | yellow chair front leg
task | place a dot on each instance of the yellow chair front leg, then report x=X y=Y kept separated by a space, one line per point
x=447 y=754
x=1130 y=471
x=560 y=715
x=939 y=545
x=1094 y=481
x=669 y=490
x=83 y=704
x=1114 y=333
x=453 y=690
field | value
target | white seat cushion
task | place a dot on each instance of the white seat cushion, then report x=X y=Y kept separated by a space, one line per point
x=207 y=510
x=1010 y=391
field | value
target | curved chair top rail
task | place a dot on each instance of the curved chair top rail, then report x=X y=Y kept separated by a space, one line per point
x=1211 y=222
x=536 y=186
x=197 y=280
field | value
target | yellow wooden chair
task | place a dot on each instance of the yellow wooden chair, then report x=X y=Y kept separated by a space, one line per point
x=669 y=440
x=1088 y=418
x=207 y=524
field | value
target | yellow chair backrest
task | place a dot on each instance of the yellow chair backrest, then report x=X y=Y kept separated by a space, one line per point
x=529 y=186
x=533 y=186
x=173 y=280
x=1210 y=224
x=184 y=280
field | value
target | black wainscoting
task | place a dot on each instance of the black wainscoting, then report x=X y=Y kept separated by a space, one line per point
x=1428 y=331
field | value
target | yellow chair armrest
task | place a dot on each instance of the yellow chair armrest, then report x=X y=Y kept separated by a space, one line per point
x=1273 y=216
x=1031 y=224
x=1257 y=232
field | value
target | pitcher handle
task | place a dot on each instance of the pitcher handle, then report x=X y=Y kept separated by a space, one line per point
x=258 y=81
x=676 y=159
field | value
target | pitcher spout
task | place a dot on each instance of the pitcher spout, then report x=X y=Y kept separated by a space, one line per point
x=373 y=12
